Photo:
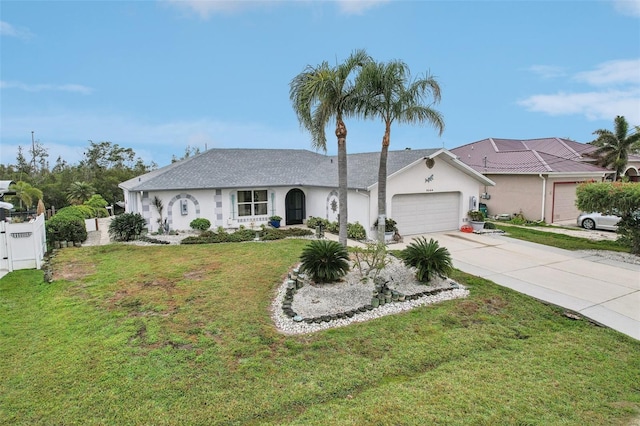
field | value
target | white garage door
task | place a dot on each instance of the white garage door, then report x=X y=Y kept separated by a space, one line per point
x=564 y=201
x=424 y=213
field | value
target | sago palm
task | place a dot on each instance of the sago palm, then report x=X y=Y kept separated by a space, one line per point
x=428 y=258
x=325 y=261
x=391 y=95
x=320 y=94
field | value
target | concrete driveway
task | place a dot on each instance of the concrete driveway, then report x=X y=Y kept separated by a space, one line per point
x=605 y=291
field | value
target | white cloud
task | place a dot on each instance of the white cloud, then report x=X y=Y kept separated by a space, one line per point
x=627 y=7
x=205 y=8
x=612 y=72
x=6 y=29
x=74 y=88
x=603 y=105
x=617 y=92
x=357 y=7
x=548 y=71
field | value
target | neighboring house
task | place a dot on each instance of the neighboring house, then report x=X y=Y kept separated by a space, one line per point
x=535 y=177
x=428 y=190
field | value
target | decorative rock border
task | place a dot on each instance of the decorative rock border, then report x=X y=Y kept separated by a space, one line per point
x=290 y=322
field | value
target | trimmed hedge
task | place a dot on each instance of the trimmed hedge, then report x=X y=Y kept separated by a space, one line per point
x=68 y=224
x=243 y=234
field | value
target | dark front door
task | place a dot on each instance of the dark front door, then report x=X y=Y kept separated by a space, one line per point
x=295 y=207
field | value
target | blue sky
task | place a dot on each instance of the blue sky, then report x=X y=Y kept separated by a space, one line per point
x=158 y=76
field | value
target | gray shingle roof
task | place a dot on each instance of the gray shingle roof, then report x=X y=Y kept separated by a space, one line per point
x=547 y=155
x=248 y=168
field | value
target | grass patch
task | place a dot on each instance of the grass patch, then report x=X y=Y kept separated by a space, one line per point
x=177 y=335
x=563 y=241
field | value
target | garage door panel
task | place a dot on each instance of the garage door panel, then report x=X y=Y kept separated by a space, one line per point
x=564 y=201
x=424 y=213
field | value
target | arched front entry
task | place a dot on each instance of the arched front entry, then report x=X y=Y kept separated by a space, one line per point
x=295 y=205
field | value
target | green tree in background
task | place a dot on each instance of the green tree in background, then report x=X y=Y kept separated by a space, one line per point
x=79 y=192
x=26 y=195
x=614 y=147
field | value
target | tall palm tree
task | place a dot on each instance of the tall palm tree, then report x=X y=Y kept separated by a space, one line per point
x=79 y=192
x=614 y=147
x=390 y=94
x=320 y=94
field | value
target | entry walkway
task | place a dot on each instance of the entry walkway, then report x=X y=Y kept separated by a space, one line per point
x=606 y=291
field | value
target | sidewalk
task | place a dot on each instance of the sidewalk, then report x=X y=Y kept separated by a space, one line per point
x=101 y=236
x=606 y=291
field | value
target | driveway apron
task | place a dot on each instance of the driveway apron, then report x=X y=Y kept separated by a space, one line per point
x=607 y=292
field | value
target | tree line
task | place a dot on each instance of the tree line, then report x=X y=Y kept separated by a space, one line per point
x=102 y=167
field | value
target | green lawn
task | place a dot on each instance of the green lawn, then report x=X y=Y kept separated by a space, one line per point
x=182 y=335
x=538 y=234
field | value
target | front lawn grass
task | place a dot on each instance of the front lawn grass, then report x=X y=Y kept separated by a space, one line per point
x=180 y=335
x=562 y=241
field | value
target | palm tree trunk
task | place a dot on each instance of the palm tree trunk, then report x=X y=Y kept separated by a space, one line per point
x=341 y=134
x=382 y=184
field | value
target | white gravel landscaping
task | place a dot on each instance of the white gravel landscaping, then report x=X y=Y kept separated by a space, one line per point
x=315 y=300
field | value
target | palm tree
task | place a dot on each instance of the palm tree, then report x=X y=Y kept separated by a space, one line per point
x=25 y=193
x=614 y=147
x=79 y=192
x=391 y=95
x=322 y=93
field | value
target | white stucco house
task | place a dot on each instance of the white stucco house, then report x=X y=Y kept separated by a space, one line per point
x=428 y=190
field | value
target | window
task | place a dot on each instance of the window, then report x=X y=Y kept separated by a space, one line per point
x=252 y=203
x=184 y=209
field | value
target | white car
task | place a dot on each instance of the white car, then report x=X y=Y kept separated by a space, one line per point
x=598 y=221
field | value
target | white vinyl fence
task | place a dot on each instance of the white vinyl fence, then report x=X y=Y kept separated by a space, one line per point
x=22 y=245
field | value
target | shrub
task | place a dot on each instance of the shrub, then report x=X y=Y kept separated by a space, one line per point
x=333 y=227
x=389 y=225
x=127 y=227
x=66 y=227
x=98 y=204
x=519 y=219
x=476 y=215
x=325 y=261
x=313 y=222
x=200 y=224
x=428 y=258
x=356 y=231
x=68 y=224
x=296 y=232
x=243 y=235
x=273 y=234
x=370 y=260
x=80 y=211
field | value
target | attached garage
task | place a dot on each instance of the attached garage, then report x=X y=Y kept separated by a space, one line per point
x=564 y=198
x=425 y=213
